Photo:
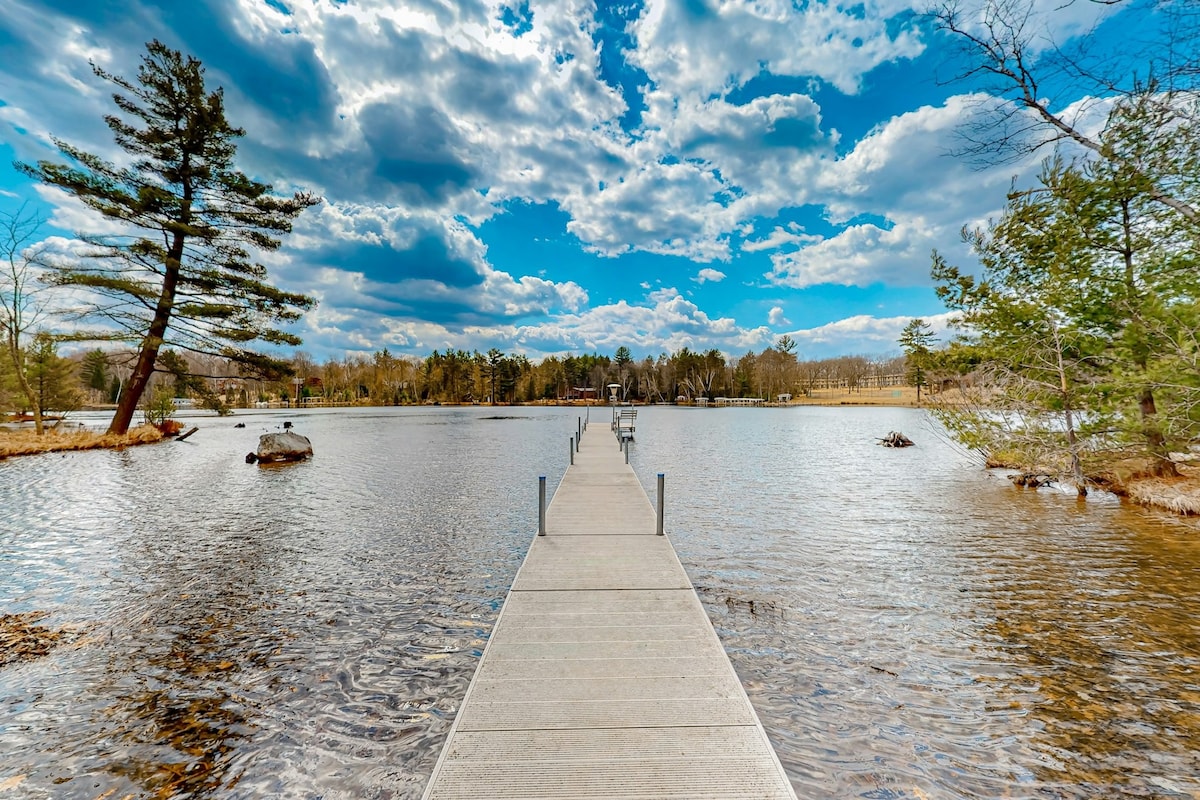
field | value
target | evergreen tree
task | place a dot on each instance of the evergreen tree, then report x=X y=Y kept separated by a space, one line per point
x=1127 y=260
x=9 y=389
x=95 y=370
x=1084 y=315
x=53 y=378
x=184 y=273
x=495 y=359
x=1035 y=399
x=915 y=341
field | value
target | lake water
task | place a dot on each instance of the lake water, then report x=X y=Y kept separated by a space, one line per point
x=906 y=624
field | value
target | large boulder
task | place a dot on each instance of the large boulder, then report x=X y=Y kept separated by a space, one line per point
x=286 y=446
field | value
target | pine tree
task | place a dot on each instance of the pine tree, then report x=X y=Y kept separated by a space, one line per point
x=495 y=357
x=95 y=370
x=183 y=274
x=1034 y=404
x=52 y=377
x=1085 y=313
x=915 y=340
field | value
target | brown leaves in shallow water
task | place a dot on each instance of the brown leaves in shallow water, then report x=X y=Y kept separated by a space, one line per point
x=23 y=640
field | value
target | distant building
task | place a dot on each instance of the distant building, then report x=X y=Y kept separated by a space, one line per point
x=580 y=393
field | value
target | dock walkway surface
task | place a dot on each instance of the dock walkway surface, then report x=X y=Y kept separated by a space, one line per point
x=603 y=677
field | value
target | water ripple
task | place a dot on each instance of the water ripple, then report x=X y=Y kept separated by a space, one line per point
x=906 y=625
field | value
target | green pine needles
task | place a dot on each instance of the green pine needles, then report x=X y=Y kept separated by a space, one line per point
x=181 y=271
x=1083 y=320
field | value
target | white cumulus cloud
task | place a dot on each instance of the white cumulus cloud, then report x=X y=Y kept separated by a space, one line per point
x=709 y=275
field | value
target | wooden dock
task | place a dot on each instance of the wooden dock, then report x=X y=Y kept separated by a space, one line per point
x=603 y=677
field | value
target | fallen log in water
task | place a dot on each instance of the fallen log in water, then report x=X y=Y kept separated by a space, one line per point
x=1031 y=480
x=896 y=439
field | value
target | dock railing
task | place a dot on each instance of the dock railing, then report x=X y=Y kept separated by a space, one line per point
x=623 y=424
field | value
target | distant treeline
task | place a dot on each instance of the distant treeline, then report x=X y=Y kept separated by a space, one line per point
x=460 y=376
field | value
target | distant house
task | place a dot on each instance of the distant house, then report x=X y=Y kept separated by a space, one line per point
x=228 y=389
x=580 y=393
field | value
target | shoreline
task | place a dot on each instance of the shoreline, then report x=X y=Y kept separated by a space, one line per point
x=1179 y=495
x=14 y=444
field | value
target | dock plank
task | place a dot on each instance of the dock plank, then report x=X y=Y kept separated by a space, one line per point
x=603 y=677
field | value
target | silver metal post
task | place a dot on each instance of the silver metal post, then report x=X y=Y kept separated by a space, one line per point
x=627 y=452
x=571 y=448
x=541 y=505
x=661 y=478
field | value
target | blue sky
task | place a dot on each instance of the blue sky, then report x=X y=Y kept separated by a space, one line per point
x=563 y=176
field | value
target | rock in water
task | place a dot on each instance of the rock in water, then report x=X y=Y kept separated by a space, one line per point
x=287 y=446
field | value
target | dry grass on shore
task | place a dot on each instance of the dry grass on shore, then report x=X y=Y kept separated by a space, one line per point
x=891 y=396
x=27 y=443
x=1178 y=495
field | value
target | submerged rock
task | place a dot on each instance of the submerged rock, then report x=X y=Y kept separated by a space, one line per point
x=282 y=447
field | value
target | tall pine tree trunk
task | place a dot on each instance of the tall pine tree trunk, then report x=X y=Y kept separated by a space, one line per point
x=1064 y=387
x=1161 y=465
x=135 y=387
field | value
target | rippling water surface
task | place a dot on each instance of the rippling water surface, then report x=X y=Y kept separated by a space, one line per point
x=906 y=624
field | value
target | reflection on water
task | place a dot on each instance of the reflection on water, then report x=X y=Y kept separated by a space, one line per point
x=906 y=625
x=260 y=632
x=1112 y=642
